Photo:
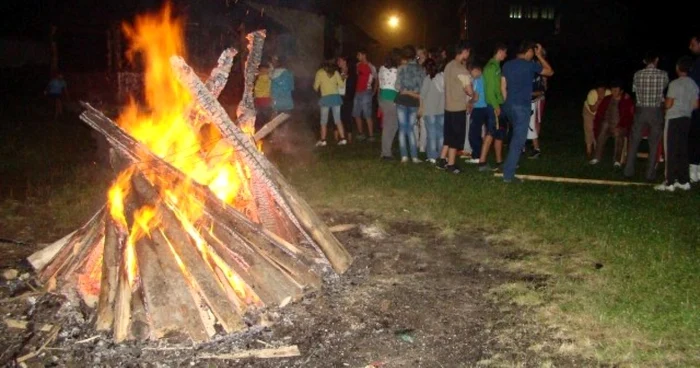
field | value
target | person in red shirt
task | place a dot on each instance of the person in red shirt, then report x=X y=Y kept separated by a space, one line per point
x=614 y=118
x=365 y=89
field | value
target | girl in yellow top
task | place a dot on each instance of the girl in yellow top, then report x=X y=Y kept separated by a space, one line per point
x=329 y=83
x=261 y=95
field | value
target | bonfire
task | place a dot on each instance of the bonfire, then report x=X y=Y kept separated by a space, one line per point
x=200 y=230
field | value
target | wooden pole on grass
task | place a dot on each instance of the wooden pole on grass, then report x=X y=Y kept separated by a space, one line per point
x=557 y=179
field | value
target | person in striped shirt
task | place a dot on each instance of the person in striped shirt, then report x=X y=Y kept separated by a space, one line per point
x=648 y=86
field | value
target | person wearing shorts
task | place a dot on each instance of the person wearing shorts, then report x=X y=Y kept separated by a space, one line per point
x=364 y=93
x=458 y=90
x=495 y=122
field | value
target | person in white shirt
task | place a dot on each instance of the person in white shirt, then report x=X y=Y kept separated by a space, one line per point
x=387 y=95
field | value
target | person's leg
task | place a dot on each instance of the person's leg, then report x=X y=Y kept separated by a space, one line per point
x=324 y=122
x=412 y=120
x=431 y=137
x=694 y=146
x=439 y=133
x=338 y=122
x=447 y=136
x=367 y=112
x=603 y=137
x=635 y=139
x=683 y=129
x=671 y=164
x=390 y=126
x=656 y=130
x=490 y=122
x=404 y=126
x=459 y=128
x=588 y=132
x=476 y=121
x=519 y=117
x=619 y=146
x=501 y=124
x=423 y=140
x=357 y=114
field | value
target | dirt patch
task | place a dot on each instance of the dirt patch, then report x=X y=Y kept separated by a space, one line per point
x=413 y=298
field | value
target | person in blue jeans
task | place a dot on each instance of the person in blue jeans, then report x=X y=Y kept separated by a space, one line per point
x=479 y=116
x=409 y=81
x=432 y=95
x=517 y=83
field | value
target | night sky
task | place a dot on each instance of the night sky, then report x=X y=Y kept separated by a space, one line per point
x=666 y=27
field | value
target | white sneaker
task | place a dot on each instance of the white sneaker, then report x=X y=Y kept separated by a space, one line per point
x=342 y=142
x=432 y=161
x=684 y=187
x=416 y=160
x=617 y=165
x=321 y=144
x=593 y=161
x=404 y=160
x=472 y=161
x=664 y=188
x=694 y=173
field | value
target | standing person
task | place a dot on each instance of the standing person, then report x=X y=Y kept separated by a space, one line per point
x=590 y=107
x=56 y=90
x=694 y=135
x=387 y=95
x=329 y=83
x=648 y=85
x=495 y=132
x=539 y=89
x=479 y=115
x=282 y=85
x=420 y=129
x=517 y=85
x=409 y=80
x=261 y=96
x=458 y=89
x=347 y=73
x=365 y=88
x=681 y=100
x=432 y=109
x=613 y=118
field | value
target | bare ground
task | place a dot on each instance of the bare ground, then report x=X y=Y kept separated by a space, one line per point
x=415 y=296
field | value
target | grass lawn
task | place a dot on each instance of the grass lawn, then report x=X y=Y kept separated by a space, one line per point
x=625 y=260
x=623 y=263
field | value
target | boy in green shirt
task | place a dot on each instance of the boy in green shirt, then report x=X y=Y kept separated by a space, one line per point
x=494 y=100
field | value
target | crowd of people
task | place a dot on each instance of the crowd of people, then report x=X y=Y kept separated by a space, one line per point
x=664 y=112
x=447 y=107
x=452 y=106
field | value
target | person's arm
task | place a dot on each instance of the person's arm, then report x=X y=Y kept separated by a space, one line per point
x=669 y=103
x=547 y=70
x=504 y=88
x=469 y=88
x=317 y=82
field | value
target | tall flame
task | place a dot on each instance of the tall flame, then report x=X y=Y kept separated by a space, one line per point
x=162 y=125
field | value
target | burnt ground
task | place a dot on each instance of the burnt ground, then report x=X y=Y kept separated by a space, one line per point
x=415 y=296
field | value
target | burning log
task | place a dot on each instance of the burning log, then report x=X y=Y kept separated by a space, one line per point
x=270 y=126
x=285 y=196
x=190 y=243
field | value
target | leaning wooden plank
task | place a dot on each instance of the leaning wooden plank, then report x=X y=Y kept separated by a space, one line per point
x=72 y=248
x=281 y=352
x=114 y=242
x=191 y=252
x=166 y=292
x=43 y=257
x=270 y=126
x=219 y=75
x=287 y=198
x=246 y=108
x=576 y=180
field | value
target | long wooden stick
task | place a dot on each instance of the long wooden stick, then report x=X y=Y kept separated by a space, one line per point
x=575 y=180
x=282 y=352
x=270 y=126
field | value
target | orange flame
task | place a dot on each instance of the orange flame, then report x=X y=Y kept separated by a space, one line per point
x=163 y=125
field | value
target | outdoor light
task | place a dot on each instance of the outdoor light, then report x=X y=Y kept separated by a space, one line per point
x=393 y=21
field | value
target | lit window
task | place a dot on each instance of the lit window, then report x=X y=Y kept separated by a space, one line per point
x=516 y=12
x=535 y=13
